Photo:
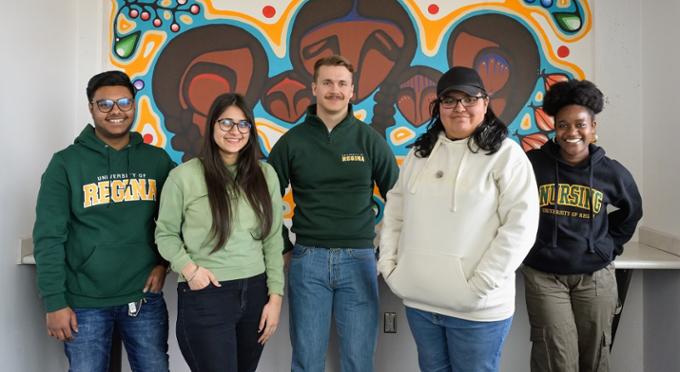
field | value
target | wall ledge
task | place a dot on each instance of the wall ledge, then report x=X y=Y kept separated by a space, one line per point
x=658 y=239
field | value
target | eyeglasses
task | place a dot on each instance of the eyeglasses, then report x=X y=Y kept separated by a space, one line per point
x=106 y=105
x=466 y=101
x=226 y=124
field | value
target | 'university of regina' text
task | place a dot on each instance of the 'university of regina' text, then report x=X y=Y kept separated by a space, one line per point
x=117 y=191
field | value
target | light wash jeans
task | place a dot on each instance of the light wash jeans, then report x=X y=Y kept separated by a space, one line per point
x=342 y=282
x=145 y=337
x=449 y=344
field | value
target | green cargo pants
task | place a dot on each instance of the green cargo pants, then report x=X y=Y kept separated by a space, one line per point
x=571 y=319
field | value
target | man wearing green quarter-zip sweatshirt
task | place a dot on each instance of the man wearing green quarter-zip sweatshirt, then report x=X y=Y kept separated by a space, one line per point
x=97 y=264
x=333 y=162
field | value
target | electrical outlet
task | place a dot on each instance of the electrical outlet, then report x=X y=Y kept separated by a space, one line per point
x=390 y=322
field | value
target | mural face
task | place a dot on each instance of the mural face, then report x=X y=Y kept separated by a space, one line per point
x=183 y=53
x=197 y=66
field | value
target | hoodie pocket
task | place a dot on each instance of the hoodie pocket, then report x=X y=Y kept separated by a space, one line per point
x=434 y=279
x=115 y=269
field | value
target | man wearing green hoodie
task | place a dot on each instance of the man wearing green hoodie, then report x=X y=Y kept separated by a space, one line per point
x=333 y=162
x=97 y=264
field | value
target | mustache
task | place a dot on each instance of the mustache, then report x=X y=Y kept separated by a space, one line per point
x=334 y=95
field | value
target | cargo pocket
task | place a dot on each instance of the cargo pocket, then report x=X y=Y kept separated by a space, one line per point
x=540 y=352
x=603 y=358
x=554 y=348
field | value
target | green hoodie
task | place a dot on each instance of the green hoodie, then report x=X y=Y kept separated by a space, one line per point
x=333 y=176
x=93 y=234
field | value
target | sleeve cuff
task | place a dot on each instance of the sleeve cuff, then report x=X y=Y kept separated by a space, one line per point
x=55 y=302
x=179 y=264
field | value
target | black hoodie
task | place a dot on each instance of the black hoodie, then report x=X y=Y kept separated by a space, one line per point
x=576 y=235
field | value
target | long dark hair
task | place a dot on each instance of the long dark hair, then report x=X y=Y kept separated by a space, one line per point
x=249 y=178
x=488 y=136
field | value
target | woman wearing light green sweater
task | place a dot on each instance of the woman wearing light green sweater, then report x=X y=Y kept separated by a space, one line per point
x=219 y=226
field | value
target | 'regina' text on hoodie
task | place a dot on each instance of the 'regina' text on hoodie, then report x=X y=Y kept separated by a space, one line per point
x=119 y=190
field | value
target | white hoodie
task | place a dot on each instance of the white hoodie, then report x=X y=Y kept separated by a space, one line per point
x=456 y=227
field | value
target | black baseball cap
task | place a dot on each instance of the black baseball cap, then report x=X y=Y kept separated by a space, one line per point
x=462 y=79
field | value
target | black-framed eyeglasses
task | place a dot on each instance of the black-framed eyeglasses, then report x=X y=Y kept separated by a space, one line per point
x=226 y=124
x=106 y=105
x=466 y=101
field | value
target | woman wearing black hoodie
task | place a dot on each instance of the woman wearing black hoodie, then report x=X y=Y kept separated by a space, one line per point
x=569 y=276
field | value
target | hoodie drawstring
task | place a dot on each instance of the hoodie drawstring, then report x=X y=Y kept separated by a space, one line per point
x=455 y=183
x=128 y=185
x=591 y=245
x=555 y=193
x=108 y=172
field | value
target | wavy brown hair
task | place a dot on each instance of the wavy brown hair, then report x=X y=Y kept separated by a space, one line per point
x=248 y=178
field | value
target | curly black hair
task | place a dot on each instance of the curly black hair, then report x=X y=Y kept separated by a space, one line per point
x=573 y=92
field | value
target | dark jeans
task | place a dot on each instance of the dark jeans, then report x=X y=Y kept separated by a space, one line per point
x=145 y=337
x=217 y=326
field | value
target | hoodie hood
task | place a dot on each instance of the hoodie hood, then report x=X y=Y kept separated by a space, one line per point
x=552 y=149
x=89 y=139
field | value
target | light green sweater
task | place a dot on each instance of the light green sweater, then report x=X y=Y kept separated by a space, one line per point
x=184 y=222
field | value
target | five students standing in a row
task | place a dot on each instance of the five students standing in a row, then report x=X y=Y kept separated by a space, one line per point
x=459 y=220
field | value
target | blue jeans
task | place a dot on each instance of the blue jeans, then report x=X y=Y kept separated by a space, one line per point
x=448 y=344
x=145 y=337
x=217 y=327
x=342 y=282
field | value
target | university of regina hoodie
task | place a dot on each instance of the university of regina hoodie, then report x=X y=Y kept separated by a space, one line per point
x=576 y=235
x=93 y=234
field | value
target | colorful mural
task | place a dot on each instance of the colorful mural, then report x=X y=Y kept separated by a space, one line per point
x=182 y=53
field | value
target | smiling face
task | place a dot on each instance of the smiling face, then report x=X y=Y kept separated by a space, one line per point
x=333 y=89
x=112 y=127
x=574 y=131
x=459 y=121
x=231 y=141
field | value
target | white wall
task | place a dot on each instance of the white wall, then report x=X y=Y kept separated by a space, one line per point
x=661 y=123
x=660 y=100
x=37 y=112
x=617 y=72
x=46 y=60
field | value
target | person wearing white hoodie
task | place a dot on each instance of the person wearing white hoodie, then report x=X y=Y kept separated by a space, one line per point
x=458 y=223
